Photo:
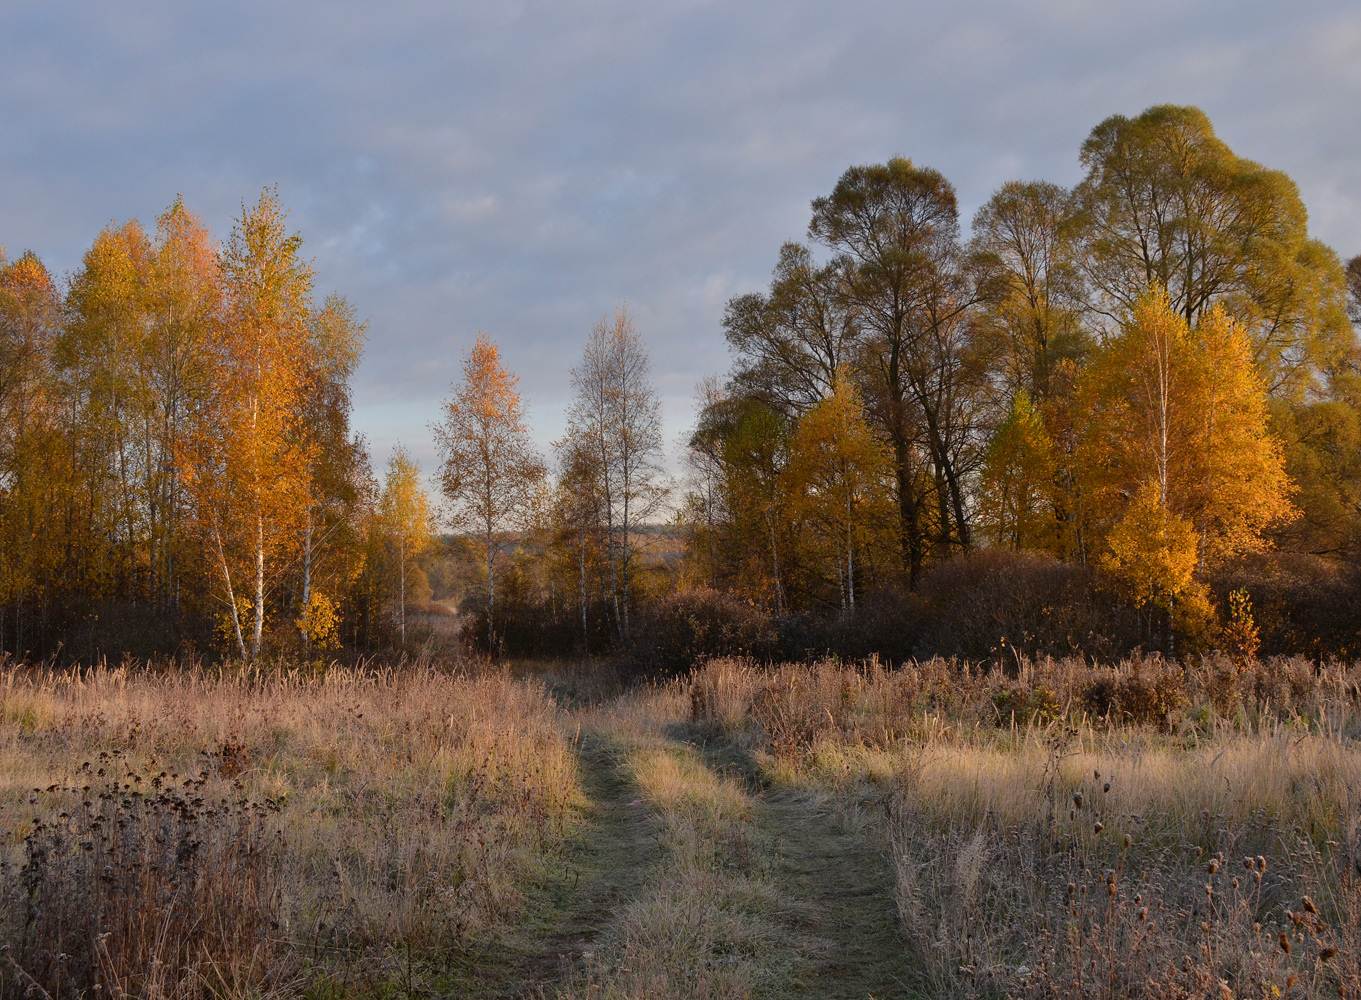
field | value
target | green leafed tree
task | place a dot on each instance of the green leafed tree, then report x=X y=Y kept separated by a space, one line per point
x=1166 y=203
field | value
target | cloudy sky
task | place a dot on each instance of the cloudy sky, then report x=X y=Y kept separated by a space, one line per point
x=523 y=167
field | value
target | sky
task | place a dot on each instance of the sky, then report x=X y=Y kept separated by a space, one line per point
x=523 y=168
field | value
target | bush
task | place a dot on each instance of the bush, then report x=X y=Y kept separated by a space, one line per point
x=1300 y=604
x=684 y=629
x=996 y=605
x=885 y=625
x=1149 y=695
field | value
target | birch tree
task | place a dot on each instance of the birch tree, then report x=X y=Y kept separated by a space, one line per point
x=615 y=417
x=489 y=471
x=406 y=519
x=249 y=453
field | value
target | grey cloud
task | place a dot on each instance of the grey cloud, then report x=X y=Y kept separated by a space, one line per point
x=523 y=167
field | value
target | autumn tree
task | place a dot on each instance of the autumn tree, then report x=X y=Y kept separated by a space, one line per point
x=339 y=478
x=1030 y=285
x=406 y=520
x=790 y=342
x=1019 y=491
x=755 y=452
x=614 y=417
x=1182 y=412
x=702 y=511
x=100 y=358
x=837 y=479
x=580 y=512
x=894 y=229
x=182 y=295
x=249 y=453
x=489 y=470
x=32 y=452
x=1167 y=203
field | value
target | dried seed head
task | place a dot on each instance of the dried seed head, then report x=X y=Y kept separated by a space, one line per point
x=1128 y=841
x=1327 y=954
x=1077 y=799
x=1097 y=827
x=1283 y=942
x=1106 y=787
x=1309 y=905
x=1213 y=866
x=1261 y=863
x=1247 y=864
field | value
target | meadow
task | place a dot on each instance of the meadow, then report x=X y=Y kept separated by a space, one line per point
x=1053 y=829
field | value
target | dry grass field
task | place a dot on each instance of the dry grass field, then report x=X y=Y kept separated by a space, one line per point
x=842 y=831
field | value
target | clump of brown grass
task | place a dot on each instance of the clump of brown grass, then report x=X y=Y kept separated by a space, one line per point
x=146 y=883
x=413 y=806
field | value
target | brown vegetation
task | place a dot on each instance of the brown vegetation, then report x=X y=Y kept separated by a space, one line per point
x=1070 y=830
x=196 y=833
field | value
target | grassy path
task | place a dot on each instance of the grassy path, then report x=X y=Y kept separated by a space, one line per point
x=847 y=888
x=847 y=916
x=689 y=880
x=605 y=867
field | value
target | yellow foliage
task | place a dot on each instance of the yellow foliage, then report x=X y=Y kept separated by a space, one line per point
x=1017 y=506
x=320 y=622
x=1183 y=412
x=837 y=482
x=1152 y=549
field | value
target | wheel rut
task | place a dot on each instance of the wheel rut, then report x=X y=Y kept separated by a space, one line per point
x=603 y=869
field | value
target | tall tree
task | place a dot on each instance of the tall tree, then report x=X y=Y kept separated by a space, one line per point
x=1018 y=500
x=895 y=229
x=32 y=452
x=837 y=480
x=614 y=416
x=339 y=476
x=406 y=519
x=755 y=452
x=1030 y=285
x=791 y=342
x=702 y=511
x=183 y=298
x=1182 y=412
x=249 y=451
x=489 y=471
x=1166 y=203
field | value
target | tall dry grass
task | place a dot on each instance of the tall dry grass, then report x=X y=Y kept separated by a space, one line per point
x=1064 y=829
x=198 y=832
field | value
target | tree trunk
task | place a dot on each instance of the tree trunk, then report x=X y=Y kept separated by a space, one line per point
x=231 y=594
x=259 y=587
x=585 y=632
x=307 y=574
x=491 y=594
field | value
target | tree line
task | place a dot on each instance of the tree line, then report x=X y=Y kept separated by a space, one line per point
x=1153 y=376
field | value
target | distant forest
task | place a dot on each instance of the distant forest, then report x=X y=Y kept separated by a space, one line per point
x=1121 y=416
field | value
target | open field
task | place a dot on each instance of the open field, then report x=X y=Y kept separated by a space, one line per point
x=826 y=831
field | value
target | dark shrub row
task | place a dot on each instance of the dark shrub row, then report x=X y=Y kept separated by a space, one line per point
x=990 y=606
